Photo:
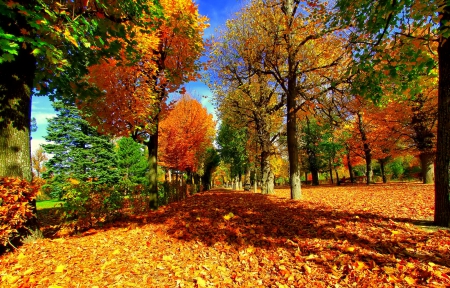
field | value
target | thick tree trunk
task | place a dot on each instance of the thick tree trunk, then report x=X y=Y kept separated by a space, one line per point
x=368 y=158
x=292 y=144
x=315 y=177
x=16 y=84
x=267 y=176
x=427 y=167
x=383 y=173
x=383 y=163
x=337 y=177
x=152 y=145
x=442 y=168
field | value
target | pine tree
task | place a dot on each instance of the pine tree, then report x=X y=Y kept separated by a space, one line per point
x=79 y=152
x=132 y=164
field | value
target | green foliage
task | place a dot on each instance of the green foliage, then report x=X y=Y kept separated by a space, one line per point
x=388 y=52
x=212 y=160
x=396 y=168
x=62 y=41
x=132 y=163
x=88 y=204
x=79 y=153
x=232 y=147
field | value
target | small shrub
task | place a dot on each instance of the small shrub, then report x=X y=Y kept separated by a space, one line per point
x=88 y=204
x=33 y=236
x=15 y=208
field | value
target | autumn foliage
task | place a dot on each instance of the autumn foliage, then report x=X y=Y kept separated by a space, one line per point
x=186 y=132
x=15 y=207
x=338 y=236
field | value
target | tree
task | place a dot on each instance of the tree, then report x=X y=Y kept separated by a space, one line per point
x=186 y=134
x=79 y=152
x=38 y=159
x=291 y=42
x=375 y=22
x=132 y=103
x=232 y=143
x=131 y=162
x=246 y=98
x=44 y=46
x=211 y=162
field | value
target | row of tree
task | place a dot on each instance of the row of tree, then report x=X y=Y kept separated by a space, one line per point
x=117 y=61
x=316 y=83
x=78 y=152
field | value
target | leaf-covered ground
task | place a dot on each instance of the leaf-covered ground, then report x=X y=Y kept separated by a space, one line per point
x=350 y=236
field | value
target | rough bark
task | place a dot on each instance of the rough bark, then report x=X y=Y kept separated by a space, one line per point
x=267 y=176
x=292 y=144
x=366 y=149
x=427 y=167
x=383 y=163
x=16 y=83
x=152 y=146
x=442 y=168
x=291 y=117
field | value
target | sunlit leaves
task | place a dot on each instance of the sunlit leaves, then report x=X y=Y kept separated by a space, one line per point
x=185 y=134
x=337 y=237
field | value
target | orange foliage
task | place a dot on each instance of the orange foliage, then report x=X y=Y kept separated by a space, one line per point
x=15 y=208
x=134 y=94
x=338 y=236
x=185 y=134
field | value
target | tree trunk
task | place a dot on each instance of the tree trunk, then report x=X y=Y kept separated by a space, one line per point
x=255 y=185
x=368 y=158
x=331 y=170
x=337 y=177
x=427 y=167
x=294 y=169
x=366 y=148
x=350 y=167
x=315 y=177
x=267 y=176
x=16 y=84
x=442 y=169
x=383 y=169
x=152 y=146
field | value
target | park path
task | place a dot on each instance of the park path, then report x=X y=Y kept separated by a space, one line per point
x=226 y=238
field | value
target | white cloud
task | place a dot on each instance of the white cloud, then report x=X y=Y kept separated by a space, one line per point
x=41 y=118
x=35 y=143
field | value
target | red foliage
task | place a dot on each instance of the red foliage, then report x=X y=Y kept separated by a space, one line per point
x=186 y=132
x=15 y=208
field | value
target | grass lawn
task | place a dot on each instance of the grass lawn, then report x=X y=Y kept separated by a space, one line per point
x=47 y=204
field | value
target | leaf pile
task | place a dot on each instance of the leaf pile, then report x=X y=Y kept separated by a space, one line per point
x=237 y=239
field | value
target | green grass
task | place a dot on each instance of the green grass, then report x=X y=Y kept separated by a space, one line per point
x=48 y=204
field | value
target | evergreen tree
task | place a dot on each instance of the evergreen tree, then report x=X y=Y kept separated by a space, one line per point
x=79 y=152
x=132 y=164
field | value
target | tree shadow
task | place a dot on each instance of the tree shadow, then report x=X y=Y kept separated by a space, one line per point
x=246 y=219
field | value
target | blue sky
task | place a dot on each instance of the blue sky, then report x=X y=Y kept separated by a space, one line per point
x=217 y=12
